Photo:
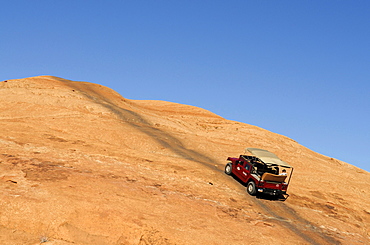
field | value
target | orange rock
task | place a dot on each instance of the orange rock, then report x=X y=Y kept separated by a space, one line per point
x=95 y=168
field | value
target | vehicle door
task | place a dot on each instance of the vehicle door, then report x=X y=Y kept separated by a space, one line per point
x=238 y=168
x=243 y=170
x=246 y=171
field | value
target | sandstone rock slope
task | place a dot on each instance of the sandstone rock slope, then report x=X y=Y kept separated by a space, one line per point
x=79 y=164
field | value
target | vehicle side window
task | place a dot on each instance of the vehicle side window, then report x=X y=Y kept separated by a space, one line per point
x=247 y=166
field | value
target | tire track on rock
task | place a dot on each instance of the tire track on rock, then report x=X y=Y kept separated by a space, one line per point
x=289 y=218
x=139 y=123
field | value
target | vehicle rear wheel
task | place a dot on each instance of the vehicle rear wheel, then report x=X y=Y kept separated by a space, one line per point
x=251 y=188
x=228 y=169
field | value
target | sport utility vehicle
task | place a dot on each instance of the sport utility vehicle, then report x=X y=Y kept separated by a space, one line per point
x=261 y=171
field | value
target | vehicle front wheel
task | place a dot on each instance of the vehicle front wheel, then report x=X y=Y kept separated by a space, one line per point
x=228 y=169
x=251 y=188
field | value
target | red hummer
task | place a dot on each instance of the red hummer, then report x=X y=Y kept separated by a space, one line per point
x=261 y=171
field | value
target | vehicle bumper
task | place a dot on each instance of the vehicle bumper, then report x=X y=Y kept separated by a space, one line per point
x=272 y=192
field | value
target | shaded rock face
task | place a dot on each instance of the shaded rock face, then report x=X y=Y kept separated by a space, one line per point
x=79 y=164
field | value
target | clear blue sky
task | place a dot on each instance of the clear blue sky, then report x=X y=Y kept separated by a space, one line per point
x=297 y=68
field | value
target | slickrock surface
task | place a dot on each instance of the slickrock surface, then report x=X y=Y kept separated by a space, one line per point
x=79 y=164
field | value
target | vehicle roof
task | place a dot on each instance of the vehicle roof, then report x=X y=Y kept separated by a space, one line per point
x=267 y=157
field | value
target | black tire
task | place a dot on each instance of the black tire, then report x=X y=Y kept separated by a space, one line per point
x=228 y=169
x=251 y=188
